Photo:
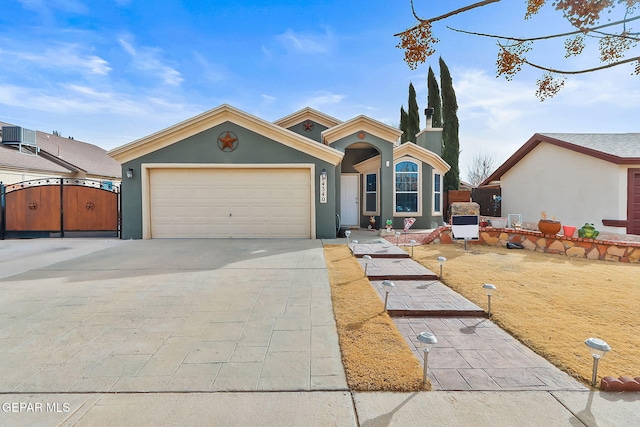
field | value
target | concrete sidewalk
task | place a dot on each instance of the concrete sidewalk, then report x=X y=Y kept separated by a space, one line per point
x=324 y=408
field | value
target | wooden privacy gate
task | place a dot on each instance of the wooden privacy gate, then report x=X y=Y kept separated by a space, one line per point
x=51 y=207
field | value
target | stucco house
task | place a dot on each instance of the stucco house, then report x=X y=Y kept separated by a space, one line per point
x=576 y=178
x=28 y=155
x=227 y=173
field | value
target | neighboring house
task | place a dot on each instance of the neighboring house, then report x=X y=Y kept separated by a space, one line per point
x=226 y=173
x=576 y=178
x=27 y=155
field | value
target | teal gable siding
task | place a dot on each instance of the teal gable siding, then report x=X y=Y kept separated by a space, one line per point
x=314 y=134
x=202 y=148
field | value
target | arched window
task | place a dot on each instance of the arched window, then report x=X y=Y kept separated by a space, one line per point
x=407 y=188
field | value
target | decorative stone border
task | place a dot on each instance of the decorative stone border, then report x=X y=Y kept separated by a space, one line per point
x=609 y=250
x=620 y=384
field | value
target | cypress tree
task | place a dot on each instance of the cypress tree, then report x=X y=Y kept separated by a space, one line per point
x=450 y=140
x=433 y=99
x=404 y=118
x=413 y=122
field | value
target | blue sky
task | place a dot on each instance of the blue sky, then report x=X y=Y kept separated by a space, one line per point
x=112 y=71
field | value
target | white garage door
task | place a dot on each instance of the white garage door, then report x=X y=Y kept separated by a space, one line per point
x=230 y=203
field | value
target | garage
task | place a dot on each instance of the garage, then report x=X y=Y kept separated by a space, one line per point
x=228 y=174
x=230 y=202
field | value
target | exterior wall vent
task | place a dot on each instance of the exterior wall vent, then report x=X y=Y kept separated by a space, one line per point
x=16 y=135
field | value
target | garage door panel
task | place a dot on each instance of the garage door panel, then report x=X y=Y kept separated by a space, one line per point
x=230 y=202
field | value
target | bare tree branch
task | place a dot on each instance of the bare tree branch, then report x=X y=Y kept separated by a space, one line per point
x=446 y=15
x=551 y=36
x=589 y=70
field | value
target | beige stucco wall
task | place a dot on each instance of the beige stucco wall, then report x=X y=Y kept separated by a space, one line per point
x=8 y=177
x=572 y=187
x=11 y=177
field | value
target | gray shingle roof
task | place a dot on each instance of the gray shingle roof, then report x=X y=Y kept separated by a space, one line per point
x=85 y=157
x=13 y=158
x=623 y=145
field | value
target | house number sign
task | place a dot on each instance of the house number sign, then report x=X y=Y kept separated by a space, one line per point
x=323 y=188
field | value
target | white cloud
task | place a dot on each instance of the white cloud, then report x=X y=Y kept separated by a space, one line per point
x=81 y=111
x=306 y=43
x=268 y=99
x=46 y=7
x=63 y=56
x=146 y=59
x=211 y=72
x=487 y=99
x=321 y=99
x=601 y=88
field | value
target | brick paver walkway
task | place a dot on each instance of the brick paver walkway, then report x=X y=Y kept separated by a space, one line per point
x=472 y=353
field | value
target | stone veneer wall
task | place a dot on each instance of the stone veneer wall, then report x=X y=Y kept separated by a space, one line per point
x=610 y=250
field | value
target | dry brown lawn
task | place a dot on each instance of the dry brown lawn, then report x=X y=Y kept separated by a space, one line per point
x=552 y=303
x=374 y=353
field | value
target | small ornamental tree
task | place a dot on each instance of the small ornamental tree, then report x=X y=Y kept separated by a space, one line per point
x=450 y=140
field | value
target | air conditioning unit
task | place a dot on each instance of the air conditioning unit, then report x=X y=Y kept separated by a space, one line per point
x=16 y=135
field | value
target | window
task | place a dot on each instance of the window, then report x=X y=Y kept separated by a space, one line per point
x=407 y=188
x=437 y=193
x=371 y=194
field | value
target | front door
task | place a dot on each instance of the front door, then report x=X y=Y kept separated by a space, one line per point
x=349 y=199
x=633 y=202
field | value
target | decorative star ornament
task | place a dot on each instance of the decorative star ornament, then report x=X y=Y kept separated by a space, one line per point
x=227 y=141
x=308 y=126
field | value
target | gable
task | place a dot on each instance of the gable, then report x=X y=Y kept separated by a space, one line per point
x=307 y=114
x=422 y=154
x=361 y=124
x=407 y=149
x=215 y=117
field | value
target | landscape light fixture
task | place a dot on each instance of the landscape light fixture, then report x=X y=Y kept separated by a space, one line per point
x=397 y=238
x=130 y=173
x=489 y=288
x=598 y=349
x=426 y=340
x=367 y=259
x=412 y=243
x=347 y=233
x=441 y=260
x=353 y=250
x=388 y=285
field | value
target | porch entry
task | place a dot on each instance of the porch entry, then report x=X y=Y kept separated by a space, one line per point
x=349 y=199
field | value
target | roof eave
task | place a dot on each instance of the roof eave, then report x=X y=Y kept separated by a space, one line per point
x=364 y=123
x=422 y=154
x=537 y=139
x=214 y=117
x=307 y=113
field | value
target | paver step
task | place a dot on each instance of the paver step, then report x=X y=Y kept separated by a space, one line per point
x=396 y=269
x=378 y=249
x=426 y=298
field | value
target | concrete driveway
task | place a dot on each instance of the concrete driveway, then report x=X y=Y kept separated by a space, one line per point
x=81 y=316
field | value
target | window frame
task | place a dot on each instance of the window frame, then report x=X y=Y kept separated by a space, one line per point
x=418 y=163
x=365 y=192
x=435 y=193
